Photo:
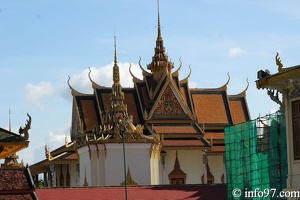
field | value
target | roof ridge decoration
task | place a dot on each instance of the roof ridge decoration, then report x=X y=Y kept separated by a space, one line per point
x=144 y=72
x=26 y=128
x=176 y=73
x=243 y=93
x=49 y=156
x=278 y=62
x=160 y=64
x=280 y=65
x=94 y=84
x=186 y=79
x=73 y=91
x=222 y=88
x=134 y=78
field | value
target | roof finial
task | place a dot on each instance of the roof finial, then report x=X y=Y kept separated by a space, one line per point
x=158 y=21
x=9 y=121
x=116 y=75
x=115 y=61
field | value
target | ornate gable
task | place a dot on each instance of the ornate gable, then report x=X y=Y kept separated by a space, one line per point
x=169 y=103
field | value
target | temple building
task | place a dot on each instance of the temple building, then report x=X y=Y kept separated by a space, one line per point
x=286 y=82
x=171 y=133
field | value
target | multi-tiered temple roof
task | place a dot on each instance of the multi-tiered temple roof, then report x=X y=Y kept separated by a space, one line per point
x=162 y=105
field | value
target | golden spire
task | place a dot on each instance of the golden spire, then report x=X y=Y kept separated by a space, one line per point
x=160 y=64
x=117 y=106
x=9 y=121
x=116 y=73
x=158 y=22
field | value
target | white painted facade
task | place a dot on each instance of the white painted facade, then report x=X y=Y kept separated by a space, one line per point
x=104 y=166
x=191 y=162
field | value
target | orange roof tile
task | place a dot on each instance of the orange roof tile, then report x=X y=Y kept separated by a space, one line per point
x=174 y=129
x=106 y=99
x=237 y=112
x=210 y=108
x=145 y=96
x=209 y=135
x=89 y=112
x=73 y=156
x=182 y=90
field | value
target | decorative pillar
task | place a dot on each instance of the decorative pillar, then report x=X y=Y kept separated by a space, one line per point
x=50 y=184
x=45 y=180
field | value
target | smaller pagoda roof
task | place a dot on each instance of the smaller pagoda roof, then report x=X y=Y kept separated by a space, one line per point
x=16 y=184
x=10 y=143
x=62 y=155
x=172 y=130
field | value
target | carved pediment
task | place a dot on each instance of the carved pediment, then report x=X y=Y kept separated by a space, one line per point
x=168 y=104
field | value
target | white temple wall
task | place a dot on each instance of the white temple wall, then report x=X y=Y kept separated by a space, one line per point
x=114 y=172
x=73 y=174
x=137 y=159
x=101 y=164
x=84 y=165
x=94 y=166
x=190 y=162
x=216 y=166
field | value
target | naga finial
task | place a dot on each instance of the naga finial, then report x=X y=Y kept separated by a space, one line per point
x=278 y=62
x=26 y=128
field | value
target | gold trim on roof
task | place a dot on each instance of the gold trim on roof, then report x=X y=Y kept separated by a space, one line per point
x=278 y=62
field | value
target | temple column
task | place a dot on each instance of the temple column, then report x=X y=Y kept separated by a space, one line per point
x=45 y=180
x=36 y=180
x=50 y=179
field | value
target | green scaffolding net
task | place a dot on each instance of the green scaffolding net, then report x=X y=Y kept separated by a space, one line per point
x=256 y=158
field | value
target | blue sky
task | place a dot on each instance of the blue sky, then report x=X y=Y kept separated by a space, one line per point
x=45 y=41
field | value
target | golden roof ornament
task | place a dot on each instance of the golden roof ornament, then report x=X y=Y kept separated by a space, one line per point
x=278 y=62
x=129 y=179
x=26 y=128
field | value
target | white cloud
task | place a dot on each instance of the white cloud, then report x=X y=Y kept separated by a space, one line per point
x=235 y=51
x=103 y=76
x=56 y=138
x=34 y=93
